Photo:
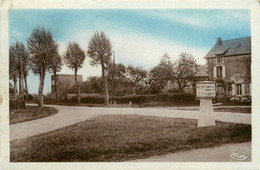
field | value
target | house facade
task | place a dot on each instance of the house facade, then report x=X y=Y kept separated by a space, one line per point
x=65 y=82
x=229 y=65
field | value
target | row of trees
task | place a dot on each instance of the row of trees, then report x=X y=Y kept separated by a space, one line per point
x=136 y=80
x=42 y=55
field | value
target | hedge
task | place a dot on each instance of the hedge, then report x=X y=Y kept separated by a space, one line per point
x=178 y=98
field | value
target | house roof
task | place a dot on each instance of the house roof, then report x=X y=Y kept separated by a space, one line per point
x=236 y=46
x=202 y=71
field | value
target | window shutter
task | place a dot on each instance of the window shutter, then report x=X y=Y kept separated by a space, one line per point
x=215 y=72
x=243 y=89
x=223 y=71
x=233 y=89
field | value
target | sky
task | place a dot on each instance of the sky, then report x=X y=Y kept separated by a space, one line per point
x=139 y=37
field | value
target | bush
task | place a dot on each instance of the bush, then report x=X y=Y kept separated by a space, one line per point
x=176 y=98
x=91 y=99
x=135 y=99
x=16 y=104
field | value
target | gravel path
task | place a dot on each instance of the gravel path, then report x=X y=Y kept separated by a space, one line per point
x=69 y=115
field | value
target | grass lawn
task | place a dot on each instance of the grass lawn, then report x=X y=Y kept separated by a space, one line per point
x=124 y=137
x=234 y=110
x=222 y=109
x=29 y=113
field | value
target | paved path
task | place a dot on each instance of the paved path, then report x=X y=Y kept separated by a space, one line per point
x=217 y=154
x=69 y=115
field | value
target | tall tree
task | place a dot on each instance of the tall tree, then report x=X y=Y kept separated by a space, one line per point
x=74 y=58
x=25 y=75
x=19 y=58
x=161 y=74
x=42 y=47
x=185 y=69
x=117 y=78
x=136 y=78
x=100 y=51
x=55 y=67
x=13 y=65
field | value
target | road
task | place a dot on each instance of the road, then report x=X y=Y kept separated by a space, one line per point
x=217 y=154
x=69 y=115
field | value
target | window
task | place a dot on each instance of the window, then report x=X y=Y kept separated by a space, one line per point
x=219 y=58
x=219 y=72
x=239 y=89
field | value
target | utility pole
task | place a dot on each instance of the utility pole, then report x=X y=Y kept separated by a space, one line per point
x=113 y=87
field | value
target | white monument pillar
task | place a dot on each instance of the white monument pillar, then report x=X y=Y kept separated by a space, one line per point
x=205 y=91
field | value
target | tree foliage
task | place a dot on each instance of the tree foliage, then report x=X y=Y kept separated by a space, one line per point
x=161 y=74
x=185 y=69
x=117 y=79
x=18 y=65
x=42 y=47
x=93 y=84
x=136 y=77
x=74 y=58
x=55 y=67
x=100 y=51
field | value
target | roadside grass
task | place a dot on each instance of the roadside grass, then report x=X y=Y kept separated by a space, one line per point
x=124 y=137
x=29 y=113
x=221 y=109
x=234 y=109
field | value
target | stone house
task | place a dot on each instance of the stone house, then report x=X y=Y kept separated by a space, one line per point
x=65 y=82
x=229 y=65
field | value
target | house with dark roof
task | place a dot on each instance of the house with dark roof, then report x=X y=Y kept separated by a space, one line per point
x=229 y=64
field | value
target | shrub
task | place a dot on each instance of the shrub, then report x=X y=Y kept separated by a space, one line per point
x=135 y=99
x=91 y=99
x=176 y=98
x=16 y=104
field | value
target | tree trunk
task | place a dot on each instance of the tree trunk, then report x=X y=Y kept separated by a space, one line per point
x=15 y=89
x=55 y=87
x=105 y=84
x=26 y=87
x=40 y=91
x=180 y=87
x=20 y=86
x=77 y=85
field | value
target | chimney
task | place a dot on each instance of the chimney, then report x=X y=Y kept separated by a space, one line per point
x=218 y=40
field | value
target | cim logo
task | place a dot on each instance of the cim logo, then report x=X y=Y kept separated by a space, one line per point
x=239 y=157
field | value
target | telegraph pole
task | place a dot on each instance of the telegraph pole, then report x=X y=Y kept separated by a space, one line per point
x=113 y=87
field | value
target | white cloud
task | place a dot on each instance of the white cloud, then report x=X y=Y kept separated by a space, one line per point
x=134 y=49
x=187 y=20
x=147 y=51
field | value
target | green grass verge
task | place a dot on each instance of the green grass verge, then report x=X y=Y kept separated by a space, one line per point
x=29 y=113
x=124 y=137
x=222 y=109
